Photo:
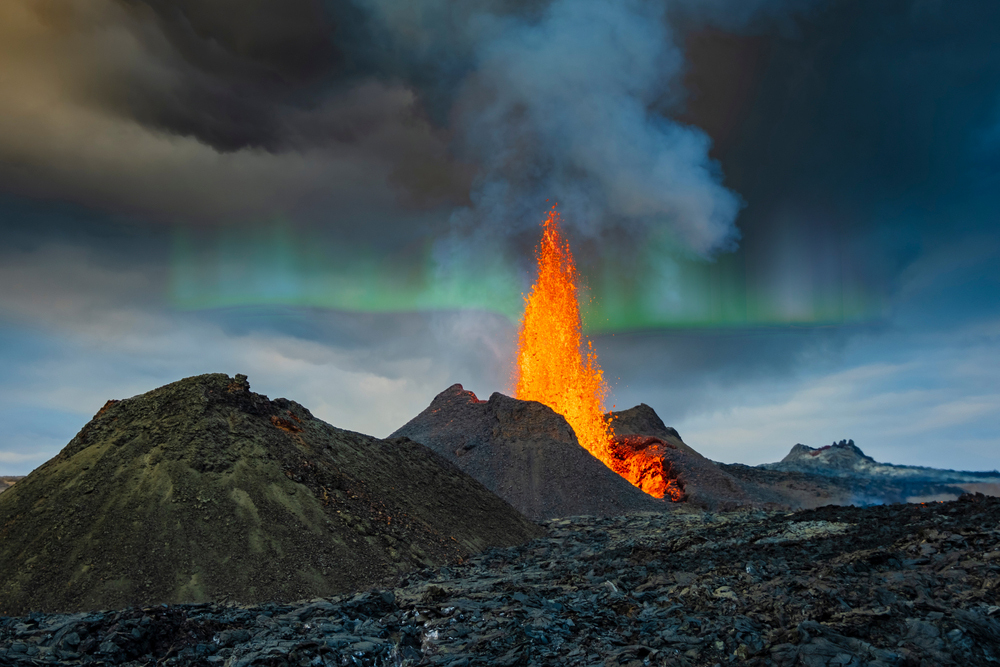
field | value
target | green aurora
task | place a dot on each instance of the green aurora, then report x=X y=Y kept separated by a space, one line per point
x=278 y=264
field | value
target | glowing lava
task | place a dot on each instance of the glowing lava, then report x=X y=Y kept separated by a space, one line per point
x=551 y=366
x=554 y=368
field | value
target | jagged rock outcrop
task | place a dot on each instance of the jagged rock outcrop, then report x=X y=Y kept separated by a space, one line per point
x=205 y=491
x=525 y=453
x=643 y=420
x=840 y=457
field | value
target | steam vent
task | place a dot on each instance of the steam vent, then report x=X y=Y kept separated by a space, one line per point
x=202 y=490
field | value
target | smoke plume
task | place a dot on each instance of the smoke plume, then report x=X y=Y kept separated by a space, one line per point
x=569 y=102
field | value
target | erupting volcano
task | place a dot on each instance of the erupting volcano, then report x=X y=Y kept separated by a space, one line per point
x=554 y=367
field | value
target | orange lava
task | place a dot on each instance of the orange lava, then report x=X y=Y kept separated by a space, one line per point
x=640 y=459
x=554 y=366
x=551 y=365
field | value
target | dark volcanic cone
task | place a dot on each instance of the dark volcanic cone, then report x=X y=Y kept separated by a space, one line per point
x=525 y=453
x=202 y=490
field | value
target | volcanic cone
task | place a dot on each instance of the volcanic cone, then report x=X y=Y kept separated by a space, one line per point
x=526 y=453
x=204 y=491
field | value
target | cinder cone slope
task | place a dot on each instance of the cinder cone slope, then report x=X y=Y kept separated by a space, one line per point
x=525 y=453
x=205 y=491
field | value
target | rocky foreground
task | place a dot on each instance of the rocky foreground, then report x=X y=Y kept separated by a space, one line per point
x=888 y=585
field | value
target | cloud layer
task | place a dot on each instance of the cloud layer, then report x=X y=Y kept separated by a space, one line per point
x=192 y=112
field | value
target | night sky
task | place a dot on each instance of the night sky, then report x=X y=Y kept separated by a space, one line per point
x=785 y=213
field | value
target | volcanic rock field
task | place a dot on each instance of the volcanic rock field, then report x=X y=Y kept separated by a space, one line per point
x=204 y=524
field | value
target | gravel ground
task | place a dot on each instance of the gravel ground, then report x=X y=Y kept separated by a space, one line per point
x=911 y=585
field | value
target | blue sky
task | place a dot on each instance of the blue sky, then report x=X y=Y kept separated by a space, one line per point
x=785 y=213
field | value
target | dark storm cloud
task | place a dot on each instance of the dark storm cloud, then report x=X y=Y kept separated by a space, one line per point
x=239 y=67
x=640 y=118
x=860 y=131
x=216 y=110
x=159 y=112
x=237 y=70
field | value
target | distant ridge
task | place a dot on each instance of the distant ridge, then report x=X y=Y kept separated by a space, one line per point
x=845 y=458
x=842 y=474
x=202 y=490
x=838 y=457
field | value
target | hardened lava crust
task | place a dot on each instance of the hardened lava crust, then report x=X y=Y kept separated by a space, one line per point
x=895 y=585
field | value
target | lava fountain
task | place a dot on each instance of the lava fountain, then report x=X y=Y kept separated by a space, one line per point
x=551 y=365
x=554 y=367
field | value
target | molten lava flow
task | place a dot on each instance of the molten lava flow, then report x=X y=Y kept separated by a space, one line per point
x=553 y=367
x=640 y=459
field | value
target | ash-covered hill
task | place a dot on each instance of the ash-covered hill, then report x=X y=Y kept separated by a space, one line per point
x=529 y=455
x=525 y=453
x=205 y=491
